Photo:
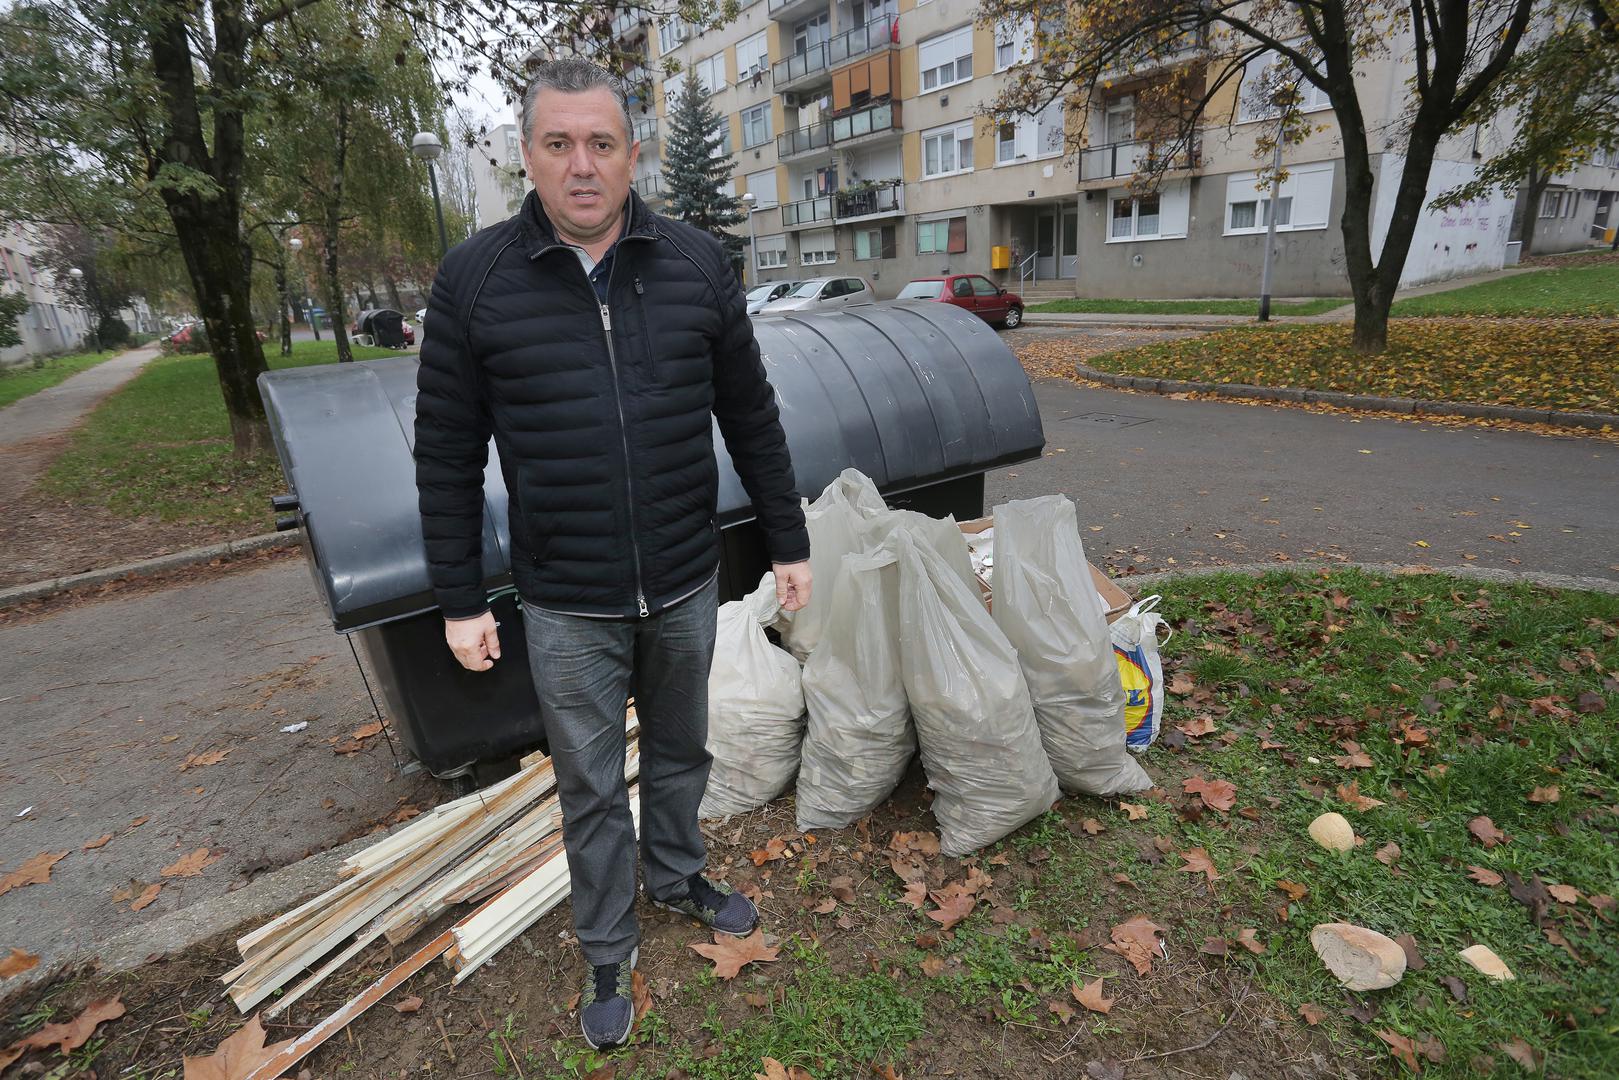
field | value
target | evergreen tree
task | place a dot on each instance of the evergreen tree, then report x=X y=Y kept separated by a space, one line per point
x=697 y=175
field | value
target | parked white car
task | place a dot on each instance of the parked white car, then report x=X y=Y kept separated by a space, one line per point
x=760 y=295
x=823 y=294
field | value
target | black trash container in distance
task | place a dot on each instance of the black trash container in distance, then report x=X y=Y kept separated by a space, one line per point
x=923 y=398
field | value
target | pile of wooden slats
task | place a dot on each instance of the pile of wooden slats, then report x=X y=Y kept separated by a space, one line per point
x=500 y=847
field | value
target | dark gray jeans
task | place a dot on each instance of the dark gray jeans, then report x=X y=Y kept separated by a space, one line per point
x=584 y=671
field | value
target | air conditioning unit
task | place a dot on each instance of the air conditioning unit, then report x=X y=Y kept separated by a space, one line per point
x=791 y=100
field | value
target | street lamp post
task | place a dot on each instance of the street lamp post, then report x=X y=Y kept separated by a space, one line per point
x=1270 y=232
x=427 y=147
x=750 y=200
x=95 y=335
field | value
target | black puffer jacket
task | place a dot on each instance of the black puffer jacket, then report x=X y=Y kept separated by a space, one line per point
x=604 y=435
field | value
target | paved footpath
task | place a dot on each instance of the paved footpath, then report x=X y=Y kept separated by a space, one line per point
x=57 y=409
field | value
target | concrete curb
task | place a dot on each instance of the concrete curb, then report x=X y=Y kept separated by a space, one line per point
x=1136 y=583
x=179 y=560
x=1590 y=421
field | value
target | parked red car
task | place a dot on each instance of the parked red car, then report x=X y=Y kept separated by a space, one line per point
x=975 y=292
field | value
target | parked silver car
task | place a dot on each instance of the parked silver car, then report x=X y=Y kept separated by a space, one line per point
x=823 y=294
x=764 y=293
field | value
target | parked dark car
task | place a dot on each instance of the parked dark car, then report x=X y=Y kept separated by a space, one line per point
x=974 y=292
x=386 y=326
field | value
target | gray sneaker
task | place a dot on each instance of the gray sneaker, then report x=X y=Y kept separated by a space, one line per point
x=606 y=1005
x=714 y=904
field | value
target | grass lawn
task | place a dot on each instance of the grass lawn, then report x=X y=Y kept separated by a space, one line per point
x=1584 y=291
x=1470 y=733
x=161 y=446
x=1189 y=307
x=1565 y=365
x=18 y=382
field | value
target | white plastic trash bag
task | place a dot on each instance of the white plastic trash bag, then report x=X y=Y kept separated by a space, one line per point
x=1047 y=605
x=859 y=738
x=755 y=708
x=834 y=521
x=974 y=724
x=1135 y=647
x=943 y=535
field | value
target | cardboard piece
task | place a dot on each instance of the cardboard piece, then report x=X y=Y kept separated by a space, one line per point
x=1114 y=599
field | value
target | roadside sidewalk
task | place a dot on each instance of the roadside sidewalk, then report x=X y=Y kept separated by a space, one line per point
x=57 y=409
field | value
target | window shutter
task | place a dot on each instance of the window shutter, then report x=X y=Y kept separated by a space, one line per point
x=888 y=242
x=1175 y=208
x=958 y=236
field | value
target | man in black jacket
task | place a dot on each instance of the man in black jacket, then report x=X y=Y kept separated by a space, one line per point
x=597 y=342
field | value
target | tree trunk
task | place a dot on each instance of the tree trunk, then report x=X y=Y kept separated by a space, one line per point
x=281 y=302
x=1539 y=181
x=393 y=291
x=334 y=222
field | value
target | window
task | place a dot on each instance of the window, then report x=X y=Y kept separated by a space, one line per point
x=1158 y=215
x=772 y=252
x=752 y=55
x=1005 y=143
x=763 y=186
x=874 y=243
x=811 y=32
x=1305 y=200
x=962 y=287
x=947 y=235
x=1037 y=136
x=947 y=151
x=671 y=32
x=710 y=73
x=1014 y=43
x=1265 y=78
x=722 y=133
x=1120 y=120
x=817 y=247
x=755 y=125
x=1551 y=204
x=982 y=286
x=921 y=290
x=869 y=11
x=947 y=59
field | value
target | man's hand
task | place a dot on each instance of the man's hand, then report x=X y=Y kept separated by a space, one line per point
x=475 y=642
x=792 y=584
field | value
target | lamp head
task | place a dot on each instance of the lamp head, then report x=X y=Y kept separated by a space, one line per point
x=426 y=146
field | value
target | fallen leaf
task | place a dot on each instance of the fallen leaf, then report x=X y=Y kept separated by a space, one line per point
x=408 y=1005
x=1485 y=832
x=138 y=822
x=1402 y=1048
x=1181 y=684
x=1216 y=794
x=365 y=731
x=1136 y=941
x=1484 y=876
x=17 y=963
x=1105 y=1069
x=1135 y=810
x=1293 y=889
x=1555 y=936
x=843 y=888
x=732 y=954
x=1564 y=894
x=1215 y=946
x=758 y=1001
x=1247 y=938
x=922 y=842
x=1198 y=862
x=1545 y=794
x=36 y=871
x=1202 y=725
x=932 y=965
x=1350 y=793
x=189 y=865
x=144 y=900
x=1413 y=958
x=1431 y=1048
x=1061 y=1010
x=1354 y=757
x=1090 y=996
x=1388 y=854
x=1092 y=827
x=69 y=1036
x=953 y=908
x=197 y=761
x=826 y=907
x=1523 y=1054
x=909 y=867
x=916 y=894
x=1313 y=1014
x=1457 y=988
x=100 y=841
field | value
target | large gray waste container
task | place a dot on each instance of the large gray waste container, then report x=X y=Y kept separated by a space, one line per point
x=923 y=398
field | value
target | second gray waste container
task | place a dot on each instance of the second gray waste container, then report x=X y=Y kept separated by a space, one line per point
x=923 y=398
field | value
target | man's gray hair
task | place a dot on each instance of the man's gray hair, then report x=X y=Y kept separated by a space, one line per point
x=573 y=77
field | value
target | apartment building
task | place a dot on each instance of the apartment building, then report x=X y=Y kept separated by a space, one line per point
x=50 y=325
x=1578 y=209
x=859 y=127
x=496 y=173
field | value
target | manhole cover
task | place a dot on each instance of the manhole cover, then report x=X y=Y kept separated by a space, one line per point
x=1117 y=420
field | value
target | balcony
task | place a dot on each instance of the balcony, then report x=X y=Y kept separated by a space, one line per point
x=808 y=68
x=807 y=212
x=1126 y=159
x=793 y=10
x=629 y=24
x=802 y=141
x=646 y=129
x=867 y=123
x=880 y=33
x=883 y=198
x=649 y=187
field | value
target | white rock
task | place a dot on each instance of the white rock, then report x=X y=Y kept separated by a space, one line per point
x=1483 y=958
x=1361 y=959
x=1333 y=832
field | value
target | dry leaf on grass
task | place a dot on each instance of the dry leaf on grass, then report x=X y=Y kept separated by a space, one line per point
x=953 y=907
x=775 y=1070
x=1564 y=894
x=237 y=1057
x=408 y=1005
x=932 y=965
x=36 y=871
x=1198 y=862
x=189 y=865
x=1090 y=996
x=100 y=841
x=1215 y=946
x=1313 y=1014
x=1388 y=854
x=1350 y=793
x=732 y=954
x=66 y=1037
x=1293 y=889
x=1092 y=827
x=1523 y=1054
x=197 y=761
x=1216 y=794
x=843 y=888
x=1353 y=756
x=916 y=894
x=1135 y=810
x=1181 y=684
x=1061 y=1010
x=1402 y=1048
x=1202 y=725
x=16 y=963
x=1248 y=938
x=1136 y=941
x=825 y=907
x=640 y=994
x=1484 y=876
x=1545 y=794
x=1485 y=832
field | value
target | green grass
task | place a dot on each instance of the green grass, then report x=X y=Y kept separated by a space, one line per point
x=1562 y=365
x=1189 y=307
x=161 y=446
x=1566 y=292
x=19 y=382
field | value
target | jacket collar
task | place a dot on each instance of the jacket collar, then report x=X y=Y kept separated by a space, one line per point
x=537 y=234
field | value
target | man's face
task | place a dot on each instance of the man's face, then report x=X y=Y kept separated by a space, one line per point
x=580 y=162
